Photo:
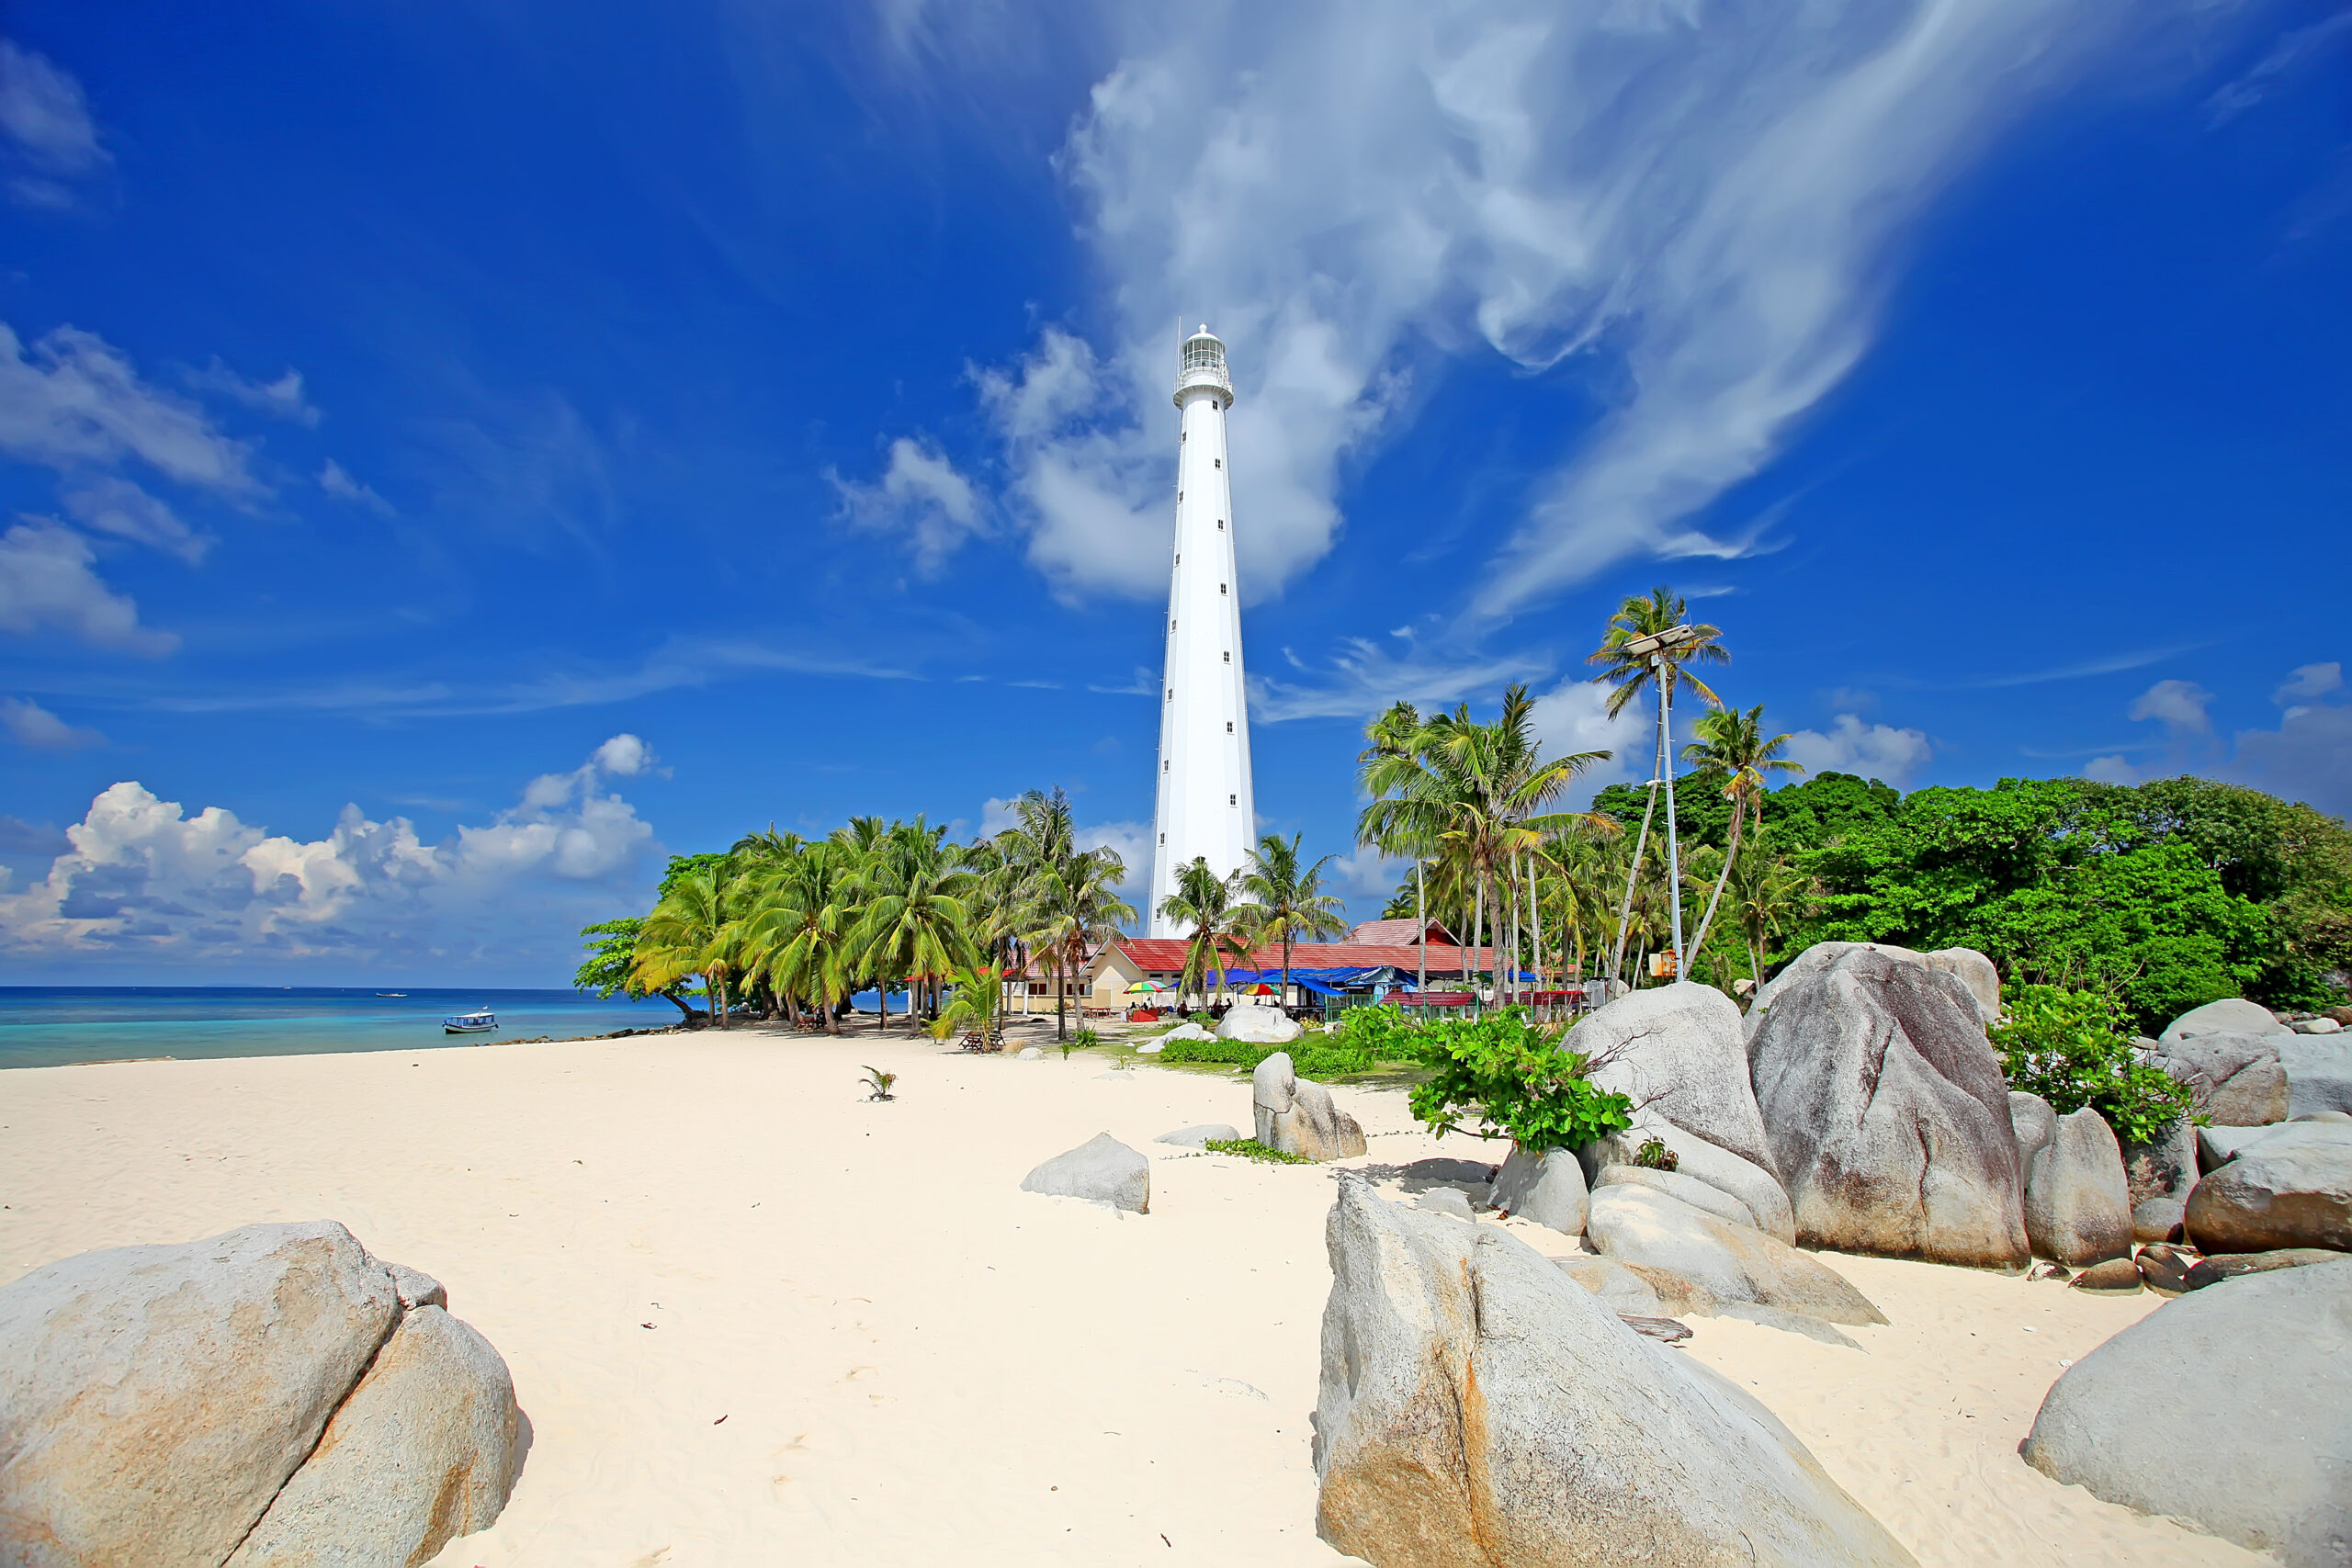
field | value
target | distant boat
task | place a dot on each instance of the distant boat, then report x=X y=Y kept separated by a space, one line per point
x=391 y=993
x=480 y=1023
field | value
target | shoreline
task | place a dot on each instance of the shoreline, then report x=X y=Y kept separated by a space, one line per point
x=915 y=1361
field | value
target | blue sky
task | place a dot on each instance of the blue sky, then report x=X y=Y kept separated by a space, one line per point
x=455 y=454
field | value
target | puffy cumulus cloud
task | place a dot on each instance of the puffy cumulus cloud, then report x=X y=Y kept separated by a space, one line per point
x=1710 y=201
x=2113 y=769
x=1574 y=716
x=146 y=881
x=1874 y=751
x=2308 y=756
x=919 y=495
x=2178 y=706
x=2309 y=680
x=30 y=724
x=624 y=756
x=1131 y=841
x=46 y=580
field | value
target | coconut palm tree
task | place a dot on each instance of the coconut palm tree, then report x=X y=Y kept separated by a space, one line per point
x=1286 y=899
x=1208 y=906
x=912 y=923
x=1398 y=822
x=1769 y=898
x=975 y=1002
x=688 y=934
x=800 y=924
x=1731 y=743
x=1629 y=673
x=1066 y=901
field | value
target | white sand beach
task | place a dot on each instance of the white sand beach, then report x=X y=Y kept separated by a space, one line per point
x=754 y=1319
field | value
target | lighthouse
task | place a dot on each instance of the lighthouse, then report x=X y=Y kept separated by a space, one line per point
x=1205 y=809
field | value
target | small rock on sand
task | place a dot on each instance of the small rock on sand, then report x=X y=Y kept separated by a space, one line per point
x=2114 y=1277
x=1445 y=1200
x=1201 y=1137
x=1100 y=1170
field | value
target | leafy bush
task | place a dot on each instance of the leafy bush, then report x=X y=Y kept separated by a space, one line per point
x=1655 y=1156
x=1515 y=1081
x=1363 y=1040
x=2073 y=1049
x=1250 y=1148
x=1082 y=1038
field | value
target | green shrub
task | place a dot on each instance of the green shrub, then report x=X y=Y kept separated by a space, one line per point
x=1250 y=1148
x=1364 y=1039
x=1655 y=1156
x=2073 y=1048
x=1082 y=1038
x=1514 y=1081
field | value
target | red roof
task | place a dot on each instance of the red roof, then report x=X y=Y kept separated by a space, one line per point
x=1165 y=955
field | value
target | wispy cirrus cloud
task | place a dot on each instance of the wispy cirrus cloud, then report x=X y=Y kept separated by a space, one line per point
x=48 y=133
x=1708 y=205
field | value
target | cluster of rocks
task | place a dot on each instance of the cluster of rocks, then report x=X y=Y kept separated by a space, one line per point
x=270 y=1397
x=1859 y=1106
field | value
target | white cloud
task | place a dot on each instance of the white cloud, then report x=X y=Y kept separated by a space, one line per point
x=2116 y=768
x=1874 y=751
x=74 y=399
x=1361 y=679
x=920 y=495
x=2308 y=756
x=1574 y=716
x=145 y=882
x=30 y=724
x=2284 y=58
x=1709 y=201
x=336 y=481
x=46 y=580
x=624 y=757
x=282 y=398
x=2178 y=706
x=116 y=506
x=46 y=119
x=1130 y=840
x=2309 y=680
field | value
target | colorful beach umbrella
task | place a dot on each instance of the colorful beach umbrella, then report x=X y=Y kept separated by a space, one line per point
x=1260 y=989
x=1145 y=986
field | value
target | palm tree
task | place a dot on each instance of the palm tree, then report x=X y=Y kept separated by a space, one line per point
x=1397 y=822
x=975 y=1002
x=687 y=933
x=912 y=923
x=1733 y=743
x=1631 y=673
x=1287 y=899
x=1205 y=903
x=1769 y=898
x=800 y=924
x=1066 y=901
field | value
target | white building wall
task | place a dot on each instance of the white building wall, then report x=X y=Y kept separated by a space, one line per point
x=1205 y=805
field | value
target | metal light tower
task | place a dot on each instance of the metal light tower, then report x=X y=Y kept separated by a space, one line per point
x=1655 y=647
x=1205 y=808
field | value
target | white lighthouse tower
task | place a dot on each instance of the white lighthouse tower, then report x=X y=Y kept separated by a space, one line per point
x=1205 y=809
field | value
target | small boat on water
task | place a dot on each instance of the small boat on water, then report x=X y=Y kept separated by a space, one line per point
x=477 y=1022
x=391 y=993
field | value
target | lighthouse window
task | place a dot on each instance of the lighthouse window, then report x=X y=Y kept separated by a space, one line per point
x=1228 y=657
x=1220 y=588
x=1220 y=525
x=1163 y=838
x=1228 y=727
x=1180 y=495
x=1172 y=694
x=1163 y=767
x=1218 y=461
x=1233 y=800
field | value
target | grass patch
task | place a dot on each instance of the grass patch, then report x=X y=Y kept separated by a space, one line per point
x=1308 y=1055
x=1250 y=1148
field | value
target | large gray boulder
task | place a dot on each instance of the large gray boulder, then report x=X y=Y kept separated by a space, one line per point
x=155 y=1398
x=1686 y=1188
x=2291 y=1189
x=2230 y=1016
x=1186 y=1030
x=425 y=1449
x=2266 y=1464
x=275 y=1386
x=1546 y=1188
x=1479 y=1407
x=1753 y=1185
x=1299 y=1117
x=1677 y=1051
x=1888 y=1116
x=1620 y=1289
x=1970 y=968
x=1100 y=1170
x=1731 y=1262
x=2036 y=1125
x=2237 y=1079
x=2077 y=1203
x=1255 y=1025
x=2319 y=1072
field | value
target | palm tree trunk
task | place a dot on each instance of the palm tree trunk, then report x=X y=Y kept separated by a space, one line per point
x=1421 y=914
x=1633 y=872
x=1699 y=942
x=1477 y=935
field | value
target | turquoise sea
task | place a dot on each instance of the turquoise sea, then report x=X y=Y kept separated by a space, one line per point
x=47 y=1026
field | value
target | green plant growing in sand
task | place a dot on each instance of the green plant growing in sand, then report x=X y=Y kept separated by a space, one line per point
x=1082 y=1038
x=1655 y=1156
x=1509 y=1080
x=880 y=1082
x=2073 y=1049
x=976 y=1003
x=1250 y=1148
